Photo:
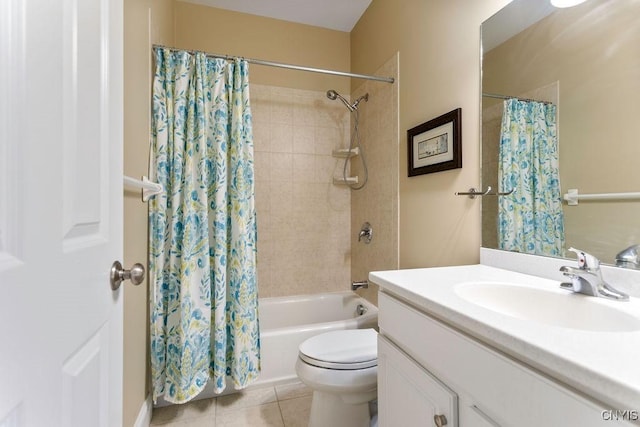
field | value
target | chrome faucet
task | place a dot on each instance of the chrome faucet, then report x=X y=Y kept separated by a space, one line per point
x=360 y=284
x=587 y=278
x=629 y=258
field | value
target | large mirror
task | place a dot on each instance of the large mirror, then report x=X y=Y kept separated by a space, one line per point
x=576 y=72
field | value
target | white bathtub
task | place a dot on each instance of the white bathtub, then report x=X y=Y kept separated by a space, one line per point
x=285 y=322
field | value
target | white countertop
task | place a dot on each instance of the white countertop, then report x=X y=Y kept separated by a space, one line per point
x=604 y=365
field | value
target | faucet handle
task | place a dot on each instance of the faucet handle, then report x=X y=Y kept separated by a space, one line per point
x=366 y=232
x=585 y=260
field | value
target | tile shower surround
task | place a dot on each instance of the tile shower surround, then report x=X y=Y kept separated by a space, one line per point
x=377 y=202
x=307 y=226
x=304 y=243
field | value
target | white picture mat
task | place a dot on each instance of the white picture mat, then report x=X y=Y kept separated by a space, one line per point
x=447 y=129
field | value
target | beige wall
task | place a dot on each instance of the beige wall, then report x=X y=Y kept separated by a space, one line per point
x=257 y=37
x=438 y=42
x=145 y=22
x=592 y=51
x=377 y=202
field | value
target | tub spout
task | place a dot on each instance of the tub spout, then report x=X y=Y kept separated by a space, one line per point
x=361 y=284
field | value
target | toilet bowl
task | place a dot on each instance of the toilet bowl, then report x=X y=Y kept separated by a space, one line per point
x=341 y=367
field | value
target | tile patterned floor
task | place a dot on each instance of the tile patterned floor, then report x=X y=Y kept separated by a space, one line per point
x=281 y=406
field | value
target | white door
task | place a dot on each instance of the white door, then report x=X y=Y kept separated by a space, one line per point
x=60 y=212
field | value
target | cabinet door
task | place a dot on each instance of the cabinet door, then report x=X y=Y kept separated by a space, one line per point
x=472 y=416
x=408 y=395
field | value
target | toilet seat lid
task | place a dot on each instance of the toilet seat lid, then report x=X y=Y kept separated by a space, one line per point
x=345 y=350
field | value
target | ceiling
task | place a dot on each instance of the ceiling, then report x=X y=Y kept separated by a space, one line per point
x=341 y=15
x=510 y=20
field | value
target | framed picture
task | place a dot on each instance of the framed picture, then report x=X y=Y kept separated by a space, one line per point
x=435 y=146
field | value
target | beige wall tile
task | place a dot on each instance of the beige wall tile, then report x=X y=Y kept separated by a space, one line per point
x=377 y=202
x=261 y=136
x=281 y=108
x=303 y=219
x=328 y=167
x=281 y=137
x=304 y=168
x=262 y=166
x=329 y=138
x=304 y=139
x=304 y=115
x=260 y=111
x=259 y=92
x=281 y=167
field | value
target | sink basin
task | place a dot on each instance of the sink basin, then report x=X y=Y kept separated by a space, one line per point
x=549 y=306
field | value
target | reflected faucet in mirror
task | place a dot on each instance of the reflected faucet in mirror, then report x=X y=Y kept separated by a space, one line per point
x=629 y=258
x=587 y=278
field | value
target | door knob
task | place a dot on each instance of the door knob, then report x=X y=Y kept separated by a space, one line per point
x=118 y=274
x=440 y=420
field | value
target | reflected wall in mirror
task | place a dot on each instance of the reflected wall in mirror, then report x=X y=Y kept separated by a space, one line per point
x=585 y=61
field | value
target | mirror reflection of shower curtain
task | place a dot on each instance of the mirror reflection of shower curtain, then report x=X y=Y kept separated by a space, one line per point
x=202 y=229
x=530 y=220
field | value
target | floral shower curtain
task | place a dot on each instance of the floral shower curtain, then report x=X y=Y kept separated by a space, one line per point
x=204 y=313
x=530 y=220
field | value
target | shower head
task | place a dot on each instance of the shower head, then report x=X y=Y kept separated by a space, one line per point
x=333 y=95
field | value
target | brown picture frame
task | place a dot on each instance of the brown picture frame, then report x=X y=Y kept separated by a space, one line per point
x=436 y=145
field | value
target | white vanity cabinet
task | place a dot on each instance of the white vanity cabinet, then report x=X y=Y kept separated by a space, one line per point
x=426 y=367
x=408 y=395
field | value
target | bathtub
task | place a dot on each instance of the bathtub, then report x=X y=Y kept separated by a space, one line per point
x=285 y=322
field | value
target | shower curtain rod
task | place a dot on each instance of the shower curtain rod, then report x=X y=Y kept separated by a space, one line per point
x=288 y=66
x=493 y=95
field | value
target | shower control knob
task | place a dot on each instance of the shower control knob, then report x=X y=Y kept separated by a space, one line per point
x=119 y=274
x=440 y=420
x=366 y=233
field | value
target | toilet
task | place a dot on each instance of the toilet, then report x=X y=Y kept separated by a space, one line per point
x=341 y=367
